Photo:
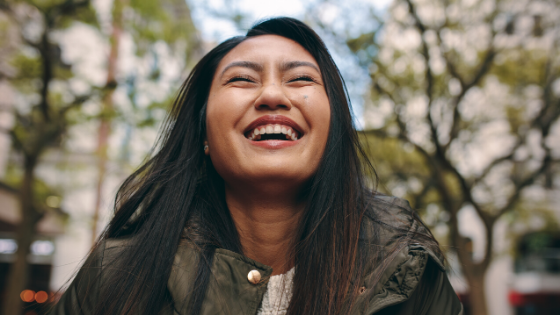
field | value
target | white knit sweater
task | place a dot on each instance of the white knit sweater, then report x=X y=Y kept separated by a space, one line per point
x=278 y=294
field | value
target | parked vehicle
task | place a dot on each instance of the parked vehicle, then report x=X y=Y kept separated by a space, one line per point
x=535 y=287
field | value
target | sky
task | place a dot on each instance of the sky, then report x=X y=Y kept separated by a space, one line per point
x=213 y=28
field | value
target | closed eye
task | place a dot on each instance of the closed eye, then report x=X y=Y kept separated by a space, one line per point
x=303 y=78
x=240 y=79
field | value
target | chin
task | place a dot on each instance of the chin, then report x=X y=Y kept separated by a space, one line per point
x=286 y=170
x=280 y=177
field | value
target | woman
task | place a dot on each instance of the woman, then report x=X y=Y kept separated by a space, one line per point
x=259 y=173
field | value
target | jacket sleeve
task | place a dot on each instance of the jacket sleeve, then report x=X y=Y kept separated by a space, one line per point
x=434 y=295
x=81 y=295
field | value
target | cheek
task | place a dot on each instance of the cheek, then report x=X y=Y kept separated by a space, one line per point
x=226 y=108
x=221 y=119
x=320 y=114
x=212 y=130
x=215 y=132
x=324 y=122
x=218 y=118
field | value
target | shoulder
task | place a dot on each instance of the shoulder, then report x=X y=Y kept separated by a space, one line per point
x=391 y=223
x=406 y=274
x=389 y=211
x=413 y=284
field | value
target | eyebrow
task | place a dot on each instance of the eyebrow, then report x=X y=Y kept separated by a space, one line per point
x=285 y=66
x=245 y=64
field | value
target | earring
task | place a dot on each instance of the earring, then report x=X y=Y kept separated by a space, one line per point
x=205 y=148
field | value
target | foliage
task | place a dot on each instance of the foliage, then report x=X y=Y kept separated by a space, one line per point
x=45 y=97
x=463 y=111
x=51 y=94
x=165 y=44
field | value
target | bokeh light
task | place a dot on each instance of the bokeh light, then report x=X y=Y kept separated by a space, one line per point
x=41 y=297
x=27 y=295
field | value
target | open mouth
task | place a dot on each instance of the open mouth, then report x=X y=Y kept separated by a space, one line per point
x=273 y=132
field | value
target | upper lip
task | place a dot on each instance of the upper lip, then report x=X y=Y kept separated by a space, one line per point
x=273 y=119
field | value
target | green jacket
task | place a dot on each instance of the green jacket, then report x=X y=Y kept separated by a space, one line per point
x=414 y=282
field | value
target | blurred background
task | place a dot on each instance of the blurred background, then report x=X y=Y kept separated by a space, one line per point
x=458 y=102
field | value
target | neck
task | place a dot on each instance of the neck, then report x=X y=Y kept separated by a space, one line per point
x=266 y=224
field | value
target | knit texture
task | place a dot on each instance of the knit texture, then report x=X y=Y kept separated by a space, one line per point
x=278 y=294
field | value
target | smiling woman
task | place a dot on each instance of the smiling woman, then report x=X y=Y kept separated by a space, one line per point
x=267 y=122
x=256 y=203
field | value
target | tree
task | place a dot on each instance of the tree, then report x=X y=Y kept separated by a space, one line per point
x=150 y=24
x=163 y=38
x=41 y=79
x=464 y=110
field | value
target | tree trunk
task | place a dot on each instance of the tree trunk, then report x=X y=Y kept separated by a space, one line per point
x=475 y=276
x=477 y=294
x=474 y=273
x=19 y=270
x=105 y=124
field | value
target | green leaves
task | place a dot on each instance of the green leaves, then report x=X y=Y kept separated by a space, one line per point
x=459 y=105
x=148 y=22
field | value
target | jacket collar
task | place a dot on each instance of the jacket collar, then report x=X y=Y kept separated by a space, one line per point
x=229 y=290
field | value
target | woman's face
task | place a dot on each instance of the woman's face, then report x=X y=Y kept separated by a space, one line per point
x=268 y=114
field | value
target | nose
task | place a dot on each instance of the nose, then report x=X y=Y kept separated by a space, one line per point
x=272 y=97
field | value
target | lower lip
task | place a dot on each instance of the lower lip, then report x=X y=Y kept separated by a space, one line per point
x=274 y=144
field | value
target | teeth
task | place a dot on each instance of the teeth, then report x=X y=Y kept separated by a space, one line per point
x=273 y=129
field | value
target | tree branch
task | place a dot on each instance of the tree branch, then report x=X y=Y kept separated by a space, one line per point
x=78 y=101
x=47 y=74
x=16 y=141
x=440 y=154
x=401 y=136
x=548 y=115
x=65 y=8
x=521 y=185
x=428 y=184
x=465 y=86
x=497 y=161
x=483 y=265
x=429 y=78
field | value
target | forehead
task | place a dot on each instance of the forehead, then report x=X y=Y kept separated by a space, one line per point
x=267 y=49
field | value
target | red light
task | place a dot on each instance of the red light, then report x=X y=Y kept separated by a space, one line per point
x=27 y=296
x=516 y=298
x=41 y=297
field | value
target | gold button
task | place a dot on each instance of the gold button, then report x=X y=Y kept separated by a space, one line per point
x=254 y=276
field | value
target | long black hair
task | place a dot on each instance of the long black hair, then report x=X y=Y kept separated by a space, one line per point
x=177 y=195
